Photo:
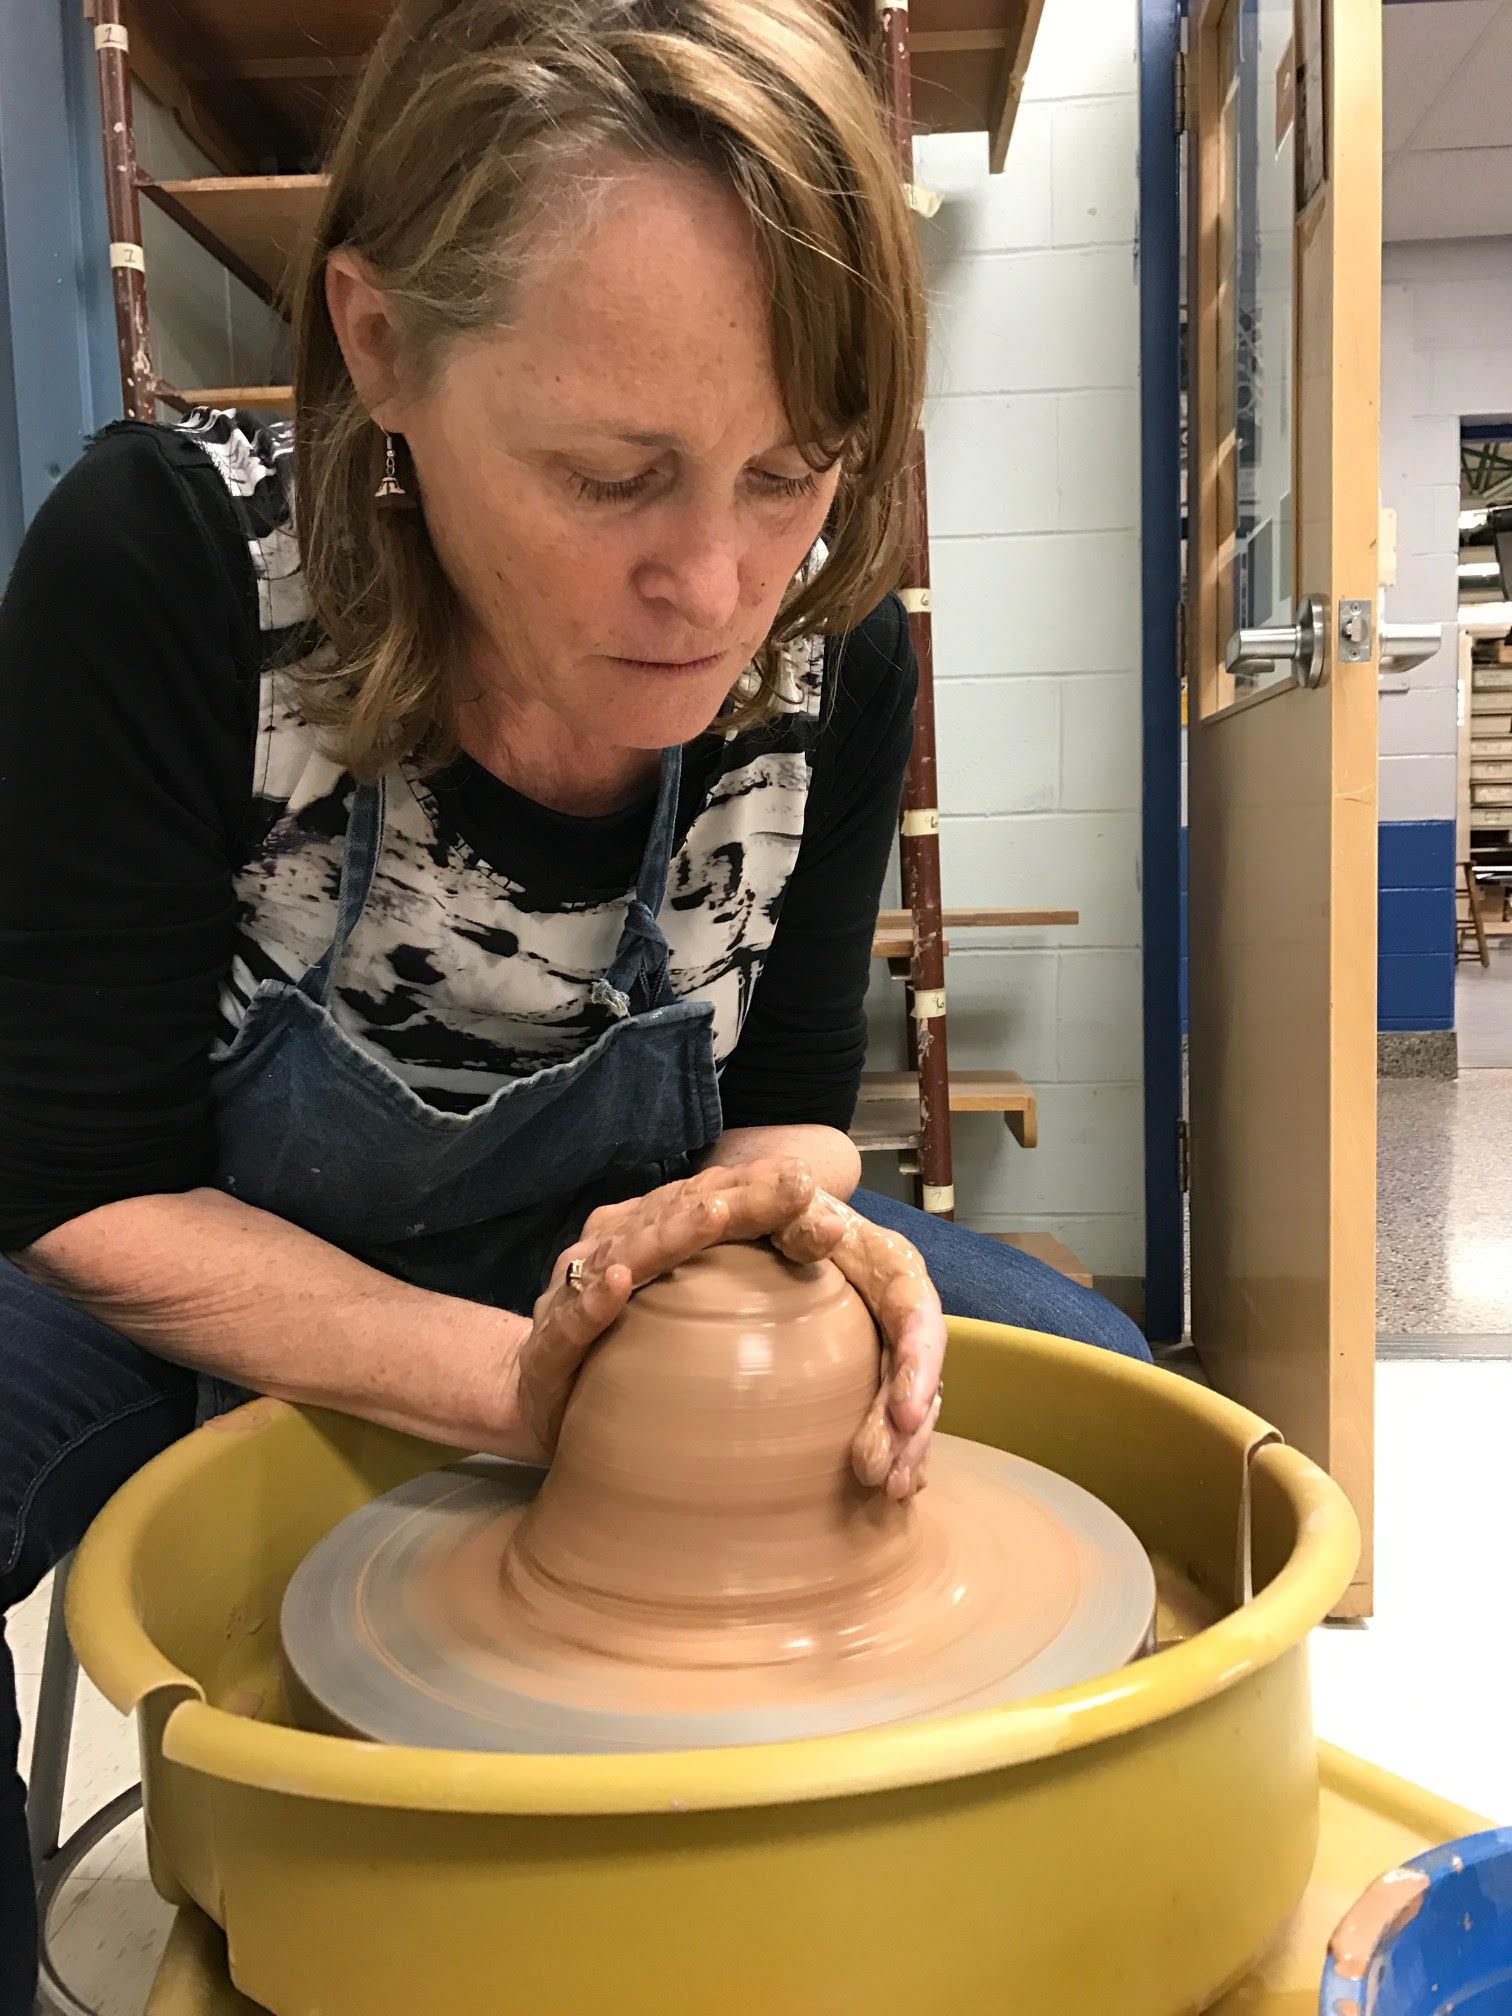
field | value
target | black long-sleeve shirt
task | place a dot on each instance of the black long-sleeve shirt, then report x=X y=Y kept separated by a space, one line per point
x=168 y=837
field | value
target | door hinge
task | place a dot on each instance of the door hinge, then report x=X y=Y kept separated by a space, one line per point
x=1180 y=109
x=1181 y=640
x=1183 y=1156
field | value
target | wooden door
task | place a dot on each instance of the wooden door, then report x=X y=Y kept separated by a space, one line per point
x=1284 y=299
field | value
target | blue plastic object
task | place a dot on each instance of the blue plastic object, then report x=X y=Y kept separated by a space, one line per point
x=1433 y=1938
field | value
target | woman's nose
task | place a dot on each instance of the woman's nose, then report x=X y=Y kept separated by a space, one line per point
x=696 y=571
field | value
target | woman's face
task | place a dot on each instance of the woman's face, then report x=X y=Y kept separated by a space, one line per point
x=610 y=482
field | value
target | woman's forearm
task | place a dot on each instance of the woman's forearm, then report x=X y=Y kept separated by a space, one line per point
x=220 y=1286
x=832 y=1156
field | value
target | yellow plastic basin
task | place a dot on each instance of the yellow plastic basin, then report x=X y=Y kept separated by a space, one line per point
x=1123 y=1848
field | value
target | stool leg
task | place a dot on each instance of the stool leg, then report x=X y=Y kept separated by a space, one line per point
x=54 y=1861
x=55 y=1710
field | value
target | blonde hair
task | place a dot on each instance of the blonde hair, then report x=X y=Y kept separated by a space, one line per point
x=468 y=113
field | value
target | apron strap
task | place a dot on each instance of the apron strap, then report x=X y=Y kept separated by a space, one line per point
x=359 y=863
x=641 y=954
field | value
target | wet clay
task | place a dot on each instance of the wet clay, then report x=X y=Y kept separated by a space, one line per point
x=701 y=1556
x=1391 y=1902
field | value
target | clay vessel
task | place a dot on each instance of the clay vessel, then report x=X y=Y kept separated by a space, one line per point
x=702 y=1507
x=700 y=1565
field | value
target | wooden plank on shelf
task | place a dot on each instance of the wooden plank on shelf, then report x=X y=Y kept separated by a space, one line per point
x=226 y=398
x=243 y=66
x=894 y=934
x=1008 y=85
x=258 y=225
x=153 y=67
x=970 y=1092
x=1054 y=1252
x=886 y=1123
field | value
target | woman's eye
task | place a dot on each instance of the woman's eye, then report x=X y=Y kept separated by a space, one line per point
x=601 y=490
x=790 y=486
x=608 y=493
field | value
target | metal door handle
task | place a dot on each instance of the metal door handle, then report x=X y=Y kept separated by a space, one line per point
x=1298 y=644
x=1404 y=645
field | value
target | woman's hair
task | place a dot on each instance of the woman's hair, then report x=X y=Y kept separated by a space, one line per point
x=471 y=118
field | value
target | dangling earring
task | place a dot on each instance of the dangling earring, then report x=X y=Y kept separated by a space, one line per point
x=391 y=494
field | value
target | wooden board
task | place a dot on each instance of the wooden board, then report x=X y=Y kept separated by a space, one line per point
x=894 y=934
x=256 y=224
x=267 y=79
x=1054 y=1252
x=227 y=398
x=888 y=1105
x=1282 y=956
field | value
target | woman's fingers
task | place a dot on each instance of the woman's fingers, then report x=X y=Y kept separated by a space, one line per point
x=815 y=1233
x=891 y=1279
x=906 y=1473
x=892 y=1444
x=652 y=1244
x=872 y=1447
x=763 y=1197
x=917 y=1336
x=568 y=1321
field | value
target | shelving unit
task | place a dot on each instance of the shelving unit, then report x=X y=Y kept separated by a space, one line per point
x=1485 y=901
x=255 y=86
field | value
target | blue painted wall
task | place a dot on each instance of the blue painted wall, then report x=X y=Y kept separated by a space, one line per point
x=58 y=375
x=1164 y=921
x=1182 y=982
x=1416 y=923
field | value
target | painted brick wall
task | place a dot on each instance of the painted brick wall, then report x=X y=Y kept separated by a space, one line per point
x=1446 y=351
x=1033 y=452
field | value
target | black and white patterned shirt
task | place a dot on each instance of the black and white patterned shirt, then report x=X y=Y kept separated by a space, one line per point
x=170 y=835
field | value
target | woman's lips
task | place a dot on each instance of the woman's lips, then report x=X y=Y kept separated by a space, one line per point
x=673 y=664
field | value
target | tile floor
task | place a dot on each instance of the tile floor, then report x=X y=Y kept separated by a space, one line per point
x=1422 y=1688
x=1483 y=1009
x=1444 y=1184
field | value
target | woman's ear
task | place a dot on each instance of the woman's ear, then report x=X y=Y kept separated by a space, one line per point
x=369 y=335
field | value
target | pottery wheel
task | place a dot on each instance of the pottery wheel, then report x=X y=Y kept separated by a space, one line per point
x=699 y=1567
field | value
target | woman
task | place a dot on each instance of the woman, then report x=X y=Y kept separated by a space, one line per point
x=420 y=930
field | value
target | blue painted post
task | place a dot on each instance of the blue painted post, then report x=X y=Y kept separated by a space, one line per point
x=58 y=383
x=1160 y=453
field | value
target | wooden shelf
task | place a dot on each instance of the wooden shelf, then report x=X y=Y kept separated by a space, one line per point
x=256 y=225
x=260 y=398
x=894 y=935
x=1054 y=1252
x=887 y=1112
x=255 y=79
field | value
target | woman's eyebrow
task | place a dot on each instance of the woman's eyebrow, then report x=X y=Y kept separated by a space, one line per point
x=640 y=438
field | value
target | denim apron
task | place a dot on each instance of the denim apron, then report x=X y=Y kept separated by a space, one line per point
x=311 y=1126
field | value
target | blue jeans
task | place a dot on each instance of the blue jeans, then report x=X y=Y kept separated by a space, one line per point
x=997 y=1284
x=82 y=1408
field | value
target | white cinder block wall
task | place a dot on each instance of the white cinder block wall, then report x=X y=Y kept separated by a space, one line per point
x=1446 y=352
x=1032 y=435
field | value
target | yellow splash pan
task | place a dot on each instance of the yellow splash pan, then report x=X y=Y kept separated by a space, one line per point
x=1370 y=1822
x=1123 y=1848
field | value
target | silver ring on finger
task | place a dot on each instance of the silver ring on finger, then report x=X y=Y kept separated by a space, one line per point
x=574 y=1276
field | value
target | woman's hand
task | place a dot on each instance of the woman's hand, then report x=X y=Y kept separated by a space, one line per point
x=623 y=1246
x=889 y=1275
